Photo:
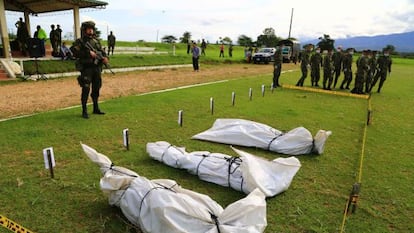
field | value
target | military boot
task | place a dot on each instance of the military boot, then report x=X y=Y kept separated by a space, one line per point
x=85 y=111
x=96 y=109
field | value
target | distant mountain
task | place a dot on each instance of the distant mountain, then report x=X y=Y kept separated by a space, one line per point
x=403 y=42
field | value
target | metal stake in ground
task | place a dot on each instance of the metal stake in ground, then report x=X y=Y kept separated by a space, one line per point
x=263 y=90
x=49 y=159
x=233 y=98
x=180 y=117
x=250 y=93
x=125 y=134
x=212 y=105
x=353 y=198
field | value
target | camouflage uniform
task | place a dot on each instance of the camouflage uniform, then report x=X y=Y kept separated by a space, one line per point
x=90 y=68
x=347 y=68
x=337 y=58
x=328 y=70
x=315 y=63
x=277 y=67
x=54 y=39
x=304 y=67
x=111 y=43
x=384 y=67
x=361 y=74
x=372 y=62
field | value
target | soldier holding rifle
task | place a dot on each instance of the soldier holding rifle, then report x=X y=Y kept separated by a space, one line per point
x=91 y=57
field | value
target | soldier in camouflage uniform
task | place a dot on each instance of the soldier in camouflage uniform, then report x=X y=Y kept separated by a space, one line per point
x=362 y=72
x=337 y=58
x=90 y=58
x=328 y=70
x=384 y=67
x=347 y=68
x=277 y=67
x=316 y=63
x=304 y=65
x=372 y=62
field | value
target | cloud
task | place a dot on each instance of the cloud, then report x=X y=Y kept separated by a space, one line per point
x=144 y=19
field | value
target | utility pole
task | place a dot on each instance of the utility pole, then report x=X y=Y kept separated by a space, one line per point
x=290 y=27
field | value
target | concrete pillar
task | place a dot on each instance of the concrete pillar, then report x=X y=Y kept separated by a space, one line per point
x=27 y=21
x=76 y=20
x=4 y=34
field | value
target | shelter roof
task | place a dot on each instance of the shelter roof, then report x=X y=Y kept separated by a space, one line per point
x=45 y=6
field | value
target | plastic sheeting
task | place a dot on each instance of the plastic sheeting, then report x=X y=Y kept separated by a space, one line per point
x=163 y=206
x=244 y=173
x=252 y=134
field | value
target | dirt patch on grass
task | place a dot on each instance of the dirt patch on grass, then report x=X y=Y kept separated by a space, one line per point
x=38 y=96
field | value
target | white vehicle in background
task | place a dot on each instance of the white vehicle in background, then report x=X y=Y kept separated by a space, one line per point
x=264 y=55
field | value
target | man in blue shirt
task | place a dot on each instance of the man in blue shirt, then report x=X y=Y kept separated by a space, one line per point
x=196 y=54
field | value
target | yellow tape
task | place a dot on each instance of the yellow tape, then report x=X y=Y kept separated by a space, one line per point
x=326 y=91
x=12 y=226
x=361 y=161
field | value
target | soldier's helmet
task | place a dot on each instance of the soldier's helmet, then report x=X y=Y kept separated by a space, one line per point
x=87 y=24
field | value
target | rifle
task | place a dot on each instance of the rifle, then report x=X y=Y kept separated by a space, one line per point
x=99 y=57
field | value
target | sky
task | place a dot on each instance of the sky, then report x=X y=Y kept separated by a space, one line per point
x=150 y=20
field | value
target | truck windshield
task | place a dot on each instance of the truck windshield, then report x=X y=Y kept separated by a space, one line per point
x=285 y=50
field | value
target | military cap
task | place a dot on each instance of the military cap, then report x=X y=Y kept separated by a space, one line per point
x=88 y=24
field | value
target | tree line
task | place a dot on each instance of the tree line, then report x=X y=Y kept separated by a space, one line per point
x=267 y=39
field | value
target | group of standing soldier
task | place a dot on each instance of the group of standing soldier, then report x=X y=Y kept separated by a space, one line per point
x=55 y=37
x=23 y=37
x=371 y=67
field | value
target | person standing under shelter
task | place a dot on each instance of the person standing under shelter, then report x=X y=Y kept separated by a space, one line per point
x=54 y=38
x=196 y=55
x=111 y=43
x=86 y=50
x=22 y=35
x=59 y=36
x=41 y=35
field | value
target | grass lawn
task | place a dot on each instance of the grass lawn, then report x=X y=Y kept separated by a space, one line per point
x=119 y=60
x=315 y=201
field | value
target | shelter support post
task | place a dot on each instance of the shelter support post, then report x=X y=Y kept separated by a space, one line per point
x=3 y=32
x=77 y=22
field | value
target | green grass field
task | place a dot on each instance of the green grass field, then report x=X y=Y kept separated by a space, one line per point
x=119 y=60
x=315 y=201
